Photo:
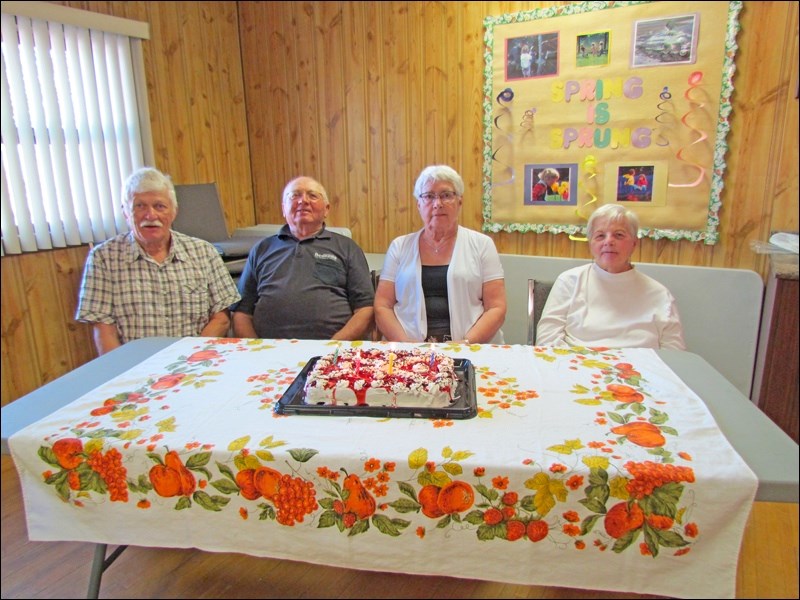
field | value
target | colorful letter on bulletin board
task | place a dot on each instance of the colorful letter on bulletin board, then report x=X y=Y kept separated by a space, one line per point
x=608 y=102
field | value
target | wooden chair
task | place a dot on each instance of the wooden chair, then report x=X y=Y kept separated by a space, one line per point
x=538 y=291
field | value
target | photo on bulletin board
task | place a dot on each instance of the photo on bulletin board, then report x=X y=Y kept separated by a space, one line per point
x=530 y=56
x=592 y=49
x=642 y=184
x=649 y=89
x=660 y=42
x=550 y=184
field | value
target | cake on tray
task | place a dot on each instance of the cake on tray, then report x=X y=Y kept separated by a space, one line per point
x=374 y=377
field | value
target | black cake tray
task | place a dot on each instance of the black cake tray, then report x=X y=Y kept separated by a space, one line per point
x=464 y=405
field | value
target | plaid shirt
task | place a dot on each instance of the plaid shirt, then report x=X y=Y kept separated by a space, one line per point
x=123 y=286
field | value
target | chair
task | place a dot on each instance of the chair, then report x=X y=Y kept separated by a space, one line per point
x=538 y=291
x=376 y=335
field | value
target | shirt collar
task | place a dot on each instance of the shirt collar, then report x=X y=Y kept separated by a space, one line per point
x=177 y=250
x=322 y=234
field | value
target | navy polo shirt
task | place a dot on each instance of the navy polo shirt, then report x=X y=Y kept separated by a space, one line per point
x=304 y=289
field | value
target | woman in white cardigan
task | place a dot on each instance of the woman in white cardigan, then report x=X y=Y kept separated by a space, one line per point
x=443 y=282
x=608 y=302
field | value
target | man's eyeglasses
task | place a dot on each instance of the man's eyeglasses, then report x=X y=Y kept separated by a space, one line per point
x=445 y=197
x=297 y=195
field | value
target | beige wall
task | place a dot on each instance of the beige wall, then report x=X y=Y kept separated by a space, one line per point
x=362 y=95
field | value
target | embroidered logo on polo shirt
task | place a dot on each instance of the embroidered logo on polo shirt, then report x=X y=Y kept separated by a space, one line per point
x=327 y=256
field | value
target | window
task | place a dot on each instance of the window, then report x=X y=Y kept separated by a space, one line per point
x=74 y=124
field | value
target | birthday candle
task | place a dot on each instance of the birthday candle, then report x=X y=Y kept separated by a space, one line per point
x=336 y=355
x=391 y=362
x=433 y=357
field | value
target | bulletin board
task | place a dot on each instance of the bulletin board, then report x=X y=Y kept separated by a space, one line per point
x=627 y=101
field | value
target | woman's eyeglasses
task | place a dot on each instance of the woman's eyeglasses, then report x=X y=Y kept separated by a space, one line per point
x=445 y=197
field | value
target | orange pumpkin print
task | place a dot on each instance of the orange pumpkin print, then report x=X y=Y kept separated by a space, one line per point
x=267 y=481
x=166 y=482
x=247 y=488
x=642 y=434
x=428 y=498
x=203 y=355
x=624 y=393
x=67 y=451
x=622 y=518
x=167 y=381
x=455 y=497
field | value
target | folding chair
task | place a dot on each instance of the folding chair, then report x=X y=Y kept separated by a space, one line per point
x=538 y=291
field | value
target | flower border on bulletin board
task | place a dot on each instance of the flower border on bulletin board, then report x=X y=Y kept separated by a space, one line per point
x=628 y=105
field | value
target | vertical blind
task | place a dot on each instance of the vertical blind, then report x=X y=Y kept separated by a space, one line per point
x=70 y=133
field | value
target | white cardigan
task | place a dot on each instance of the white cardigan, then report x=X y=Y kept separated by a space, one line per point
x=474 y=262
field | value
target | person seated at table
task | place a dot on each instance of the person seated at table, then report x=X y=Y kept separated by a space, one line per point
x=305 y=282
x=609 y=302
x=443 y=282
x=153 y=281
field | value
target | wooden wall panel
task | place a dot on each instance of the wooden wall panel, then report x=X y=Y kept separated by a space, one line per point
x=363 y=95
x=424 y=105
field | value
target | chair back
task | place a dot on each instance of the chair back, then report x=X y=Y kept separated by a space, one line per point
x=538 y=291
x=376 y=334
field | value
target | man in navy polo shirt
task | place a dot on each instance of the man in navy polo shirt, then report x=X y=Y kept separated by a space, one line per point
x=305 y=282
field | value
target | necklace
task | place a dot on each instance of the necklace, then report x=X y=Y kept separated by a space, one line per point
x=437 y=247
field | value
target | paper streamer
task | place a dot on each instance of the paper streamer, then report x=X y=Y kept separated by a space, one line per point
x=527 y=123
x=503 y=98
x=695 y=79
x=590 y=167
x=527 y=119
x=665 y=98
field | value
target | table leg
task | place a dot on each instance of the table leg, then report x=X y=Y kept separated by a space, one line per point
x=99 y=565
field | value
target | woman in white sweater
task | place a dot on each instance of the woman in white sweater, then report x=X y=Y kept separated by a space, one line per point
x=608 y=302
x=443 y=282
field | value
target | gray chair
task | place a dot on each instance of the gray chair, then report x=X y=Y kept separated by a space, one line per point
x=538 y=291
x=376 y=334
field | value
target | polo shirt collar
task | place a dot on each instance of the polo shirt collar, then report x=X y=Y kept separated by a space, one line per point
x=322 y=234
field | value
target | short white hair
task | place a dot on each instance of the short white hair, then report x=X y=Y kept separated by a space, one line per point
x=147 y=179
x=434 y=173
x=614 y=213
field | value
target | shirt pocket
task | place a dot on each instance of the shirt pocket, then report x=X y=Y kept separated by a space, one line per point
x=330 y=273
x=194 y=301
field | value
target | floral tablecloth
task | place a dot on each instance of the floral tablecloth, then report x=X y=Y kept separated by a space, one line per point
x=588 y=468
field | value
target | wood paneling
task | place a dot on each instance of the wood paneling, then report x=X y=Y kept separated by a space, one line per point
x=362 y=96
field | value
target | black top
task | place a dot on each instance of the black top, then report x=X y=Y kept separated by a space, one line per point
x=437 y=306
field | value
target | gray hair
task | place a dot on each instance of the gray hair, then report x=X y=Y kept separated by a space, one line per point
x=614 y=213
x=299 y=177
x=435 y=173
x=548 y=172
x=147 y=179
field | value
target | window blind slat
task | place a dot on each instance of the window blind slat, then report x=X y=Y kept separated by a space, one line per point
x=89 y=170
x=61 y=217
x=76 y=199
x=10 y=238
x=17 y=236
x=16 y=56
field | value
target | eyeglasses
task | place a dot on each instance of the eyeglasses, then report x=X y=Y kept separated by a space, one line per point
x=445 y=197
x=297 y=195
